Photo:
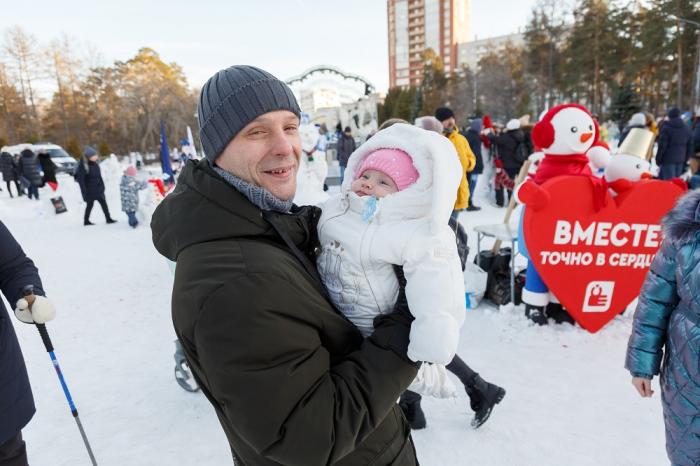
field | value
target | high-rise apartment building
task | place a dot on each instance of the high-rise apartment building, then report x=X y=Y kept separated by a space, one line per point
x=418 y=25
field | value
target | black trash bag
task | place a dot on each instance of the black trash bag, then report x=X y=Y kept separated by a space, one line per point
x=498 y=282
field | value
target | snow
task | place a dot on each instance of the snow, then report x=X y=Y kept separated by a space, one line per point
x=569 y=400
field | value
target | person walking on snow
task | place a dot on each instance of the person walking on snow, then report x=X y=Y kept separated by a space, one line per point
x=675 y=146
x=8 y=167
x=49 y=169
x=17 y=271
x=446 y=116
x=129 y=188
x=313 y=391
x=344 y=147
x=666 y=331
x=30 y=169
x=473 y=135
x=92 y=186
x=512 y=150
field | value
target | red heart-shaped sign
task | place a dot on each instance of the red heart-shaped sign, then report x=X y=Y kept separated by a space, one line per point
x=595 y=262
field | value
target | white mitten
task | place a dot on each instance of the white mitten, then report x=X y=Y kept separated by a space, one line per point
x=432 y=380
x=40 y=312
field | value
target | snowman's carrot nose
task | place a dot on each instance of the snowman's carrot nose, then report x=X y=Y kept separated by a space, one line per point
x=586 y=136
x=647 y=176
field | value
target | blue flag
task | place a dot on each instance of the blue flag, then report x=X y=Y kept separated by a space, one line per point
x=165 y=155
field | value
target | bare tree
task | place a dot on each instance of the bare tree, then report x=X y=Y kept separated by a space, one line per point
x=23 y=52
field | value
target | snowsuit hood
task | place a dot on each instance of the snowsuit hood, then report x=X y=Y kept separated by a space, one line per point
x=439 y=169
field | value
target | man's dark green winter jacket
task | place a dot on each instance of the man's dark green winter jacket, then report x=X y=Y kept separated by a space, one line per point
x=291 y=379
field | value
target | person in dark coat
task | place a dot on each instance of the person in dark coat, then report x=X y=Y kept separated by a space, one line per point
x=473 y=136
x=666 y=331
x=511 y=150
x=675 y=146
x=344 y=147
x=30 y=169
x=92 y=186
x=16 y=401
x=290 y=378
x=48 y=167
x=8 y=167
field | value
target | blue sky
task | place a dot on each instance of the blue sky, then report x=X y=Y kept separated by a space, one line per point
x=284 y=37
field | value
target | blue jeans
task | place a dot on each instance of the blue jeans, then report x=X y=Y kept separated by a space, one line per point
x=472 y=185
x=671 y=170
x=694 y=182
x=342 y=174
x=33 y=191
x=132 y=219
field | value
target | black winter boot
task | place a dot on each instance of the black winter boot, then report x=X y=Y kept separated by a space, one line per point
x=410 y=405
x=535 y=314
x=557 y=312
x=483 y=396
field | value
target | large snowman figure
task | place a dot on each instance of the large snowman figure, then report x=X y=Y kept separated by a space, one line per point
x=565 y=134
x=313 y=167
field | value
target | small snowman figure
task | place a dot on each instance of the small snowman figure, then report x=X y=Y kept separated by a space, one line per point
x=629 y=164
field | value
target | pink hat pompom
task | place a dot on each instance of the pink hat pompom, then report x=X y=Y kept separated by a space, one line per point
x=130 y=171
x=397 y=164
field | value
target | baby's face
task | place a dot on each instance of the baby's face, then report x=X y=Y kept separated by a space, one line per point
x=374 y=183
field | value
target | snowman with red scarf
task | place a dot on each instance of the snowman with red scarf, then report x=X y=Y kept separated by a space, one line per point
x=565 y=134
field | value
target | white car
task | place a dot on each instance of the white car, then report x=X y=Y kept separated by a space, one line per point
x=64 y=162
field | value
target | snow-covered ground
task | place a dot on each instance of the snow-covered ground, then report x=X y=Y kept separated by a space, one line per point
x=569 y=400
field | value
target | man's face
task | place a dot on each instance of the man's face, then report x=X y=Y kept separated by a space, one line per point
x=449 y=124
x=266 y=153
x=93 y=158
x=374 y=183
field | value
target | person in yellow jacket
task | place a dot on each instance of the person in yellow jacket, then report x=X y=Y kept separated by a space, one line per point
x=466 y=157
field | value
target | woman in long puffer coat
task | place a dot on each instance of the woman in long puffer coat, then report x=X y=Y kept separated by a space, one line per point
x=30 y=169
x=668 y=318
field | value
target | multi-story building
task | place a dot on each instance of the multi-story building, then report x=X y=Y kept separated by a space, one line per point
x=469 y=53
x=418 y=25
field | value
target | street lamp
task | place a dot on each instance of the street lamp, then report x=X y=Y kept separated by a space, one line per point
x=696 y=89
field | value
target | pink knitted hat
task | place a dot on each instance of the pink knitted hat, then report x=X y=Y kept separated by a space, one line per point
x=395 y=163
x=130 y=171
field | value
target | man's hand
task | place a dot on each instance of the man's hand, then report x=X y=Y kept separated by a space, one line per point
x=35 y=309
x=643 y=386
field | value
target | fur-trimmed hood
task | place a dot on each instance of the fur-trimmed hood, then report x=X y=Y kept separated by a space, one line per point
x=683 y=222
x=437 y=162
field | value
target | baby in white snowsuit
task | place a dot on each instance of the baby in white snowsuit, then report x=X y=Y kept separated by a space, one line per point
x=393 y=208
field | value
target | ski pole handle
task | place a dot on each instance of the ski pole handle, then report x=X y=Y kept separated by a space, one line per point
x=28 y=294
x=45 y=337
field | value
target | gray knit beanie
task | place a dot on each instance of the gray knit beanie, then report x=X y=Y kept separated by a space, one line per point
x=234 y=97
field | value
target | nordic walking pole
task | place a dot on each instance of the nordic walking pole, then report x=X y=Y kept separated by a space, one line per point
x=511 y=203
x=28 y=293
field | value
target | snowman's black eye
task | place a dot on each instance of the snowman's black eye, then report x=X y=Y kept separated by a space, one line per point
x=574 y=129
x=638 y=166
x=590 y=127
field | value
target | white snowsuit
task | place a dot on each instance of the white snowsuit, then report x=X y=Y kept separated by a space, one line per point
x=408 y=228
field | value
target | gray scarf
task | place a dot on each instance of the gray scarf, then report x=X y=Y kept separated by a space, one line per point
x=257 y=195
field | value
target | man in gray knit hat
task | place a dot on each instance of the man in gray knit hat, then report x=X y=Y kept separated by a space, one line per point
x=292 y=380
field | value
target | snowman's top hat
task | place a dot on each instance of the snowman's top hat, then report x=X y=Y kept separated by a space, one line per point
x=638 y=143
